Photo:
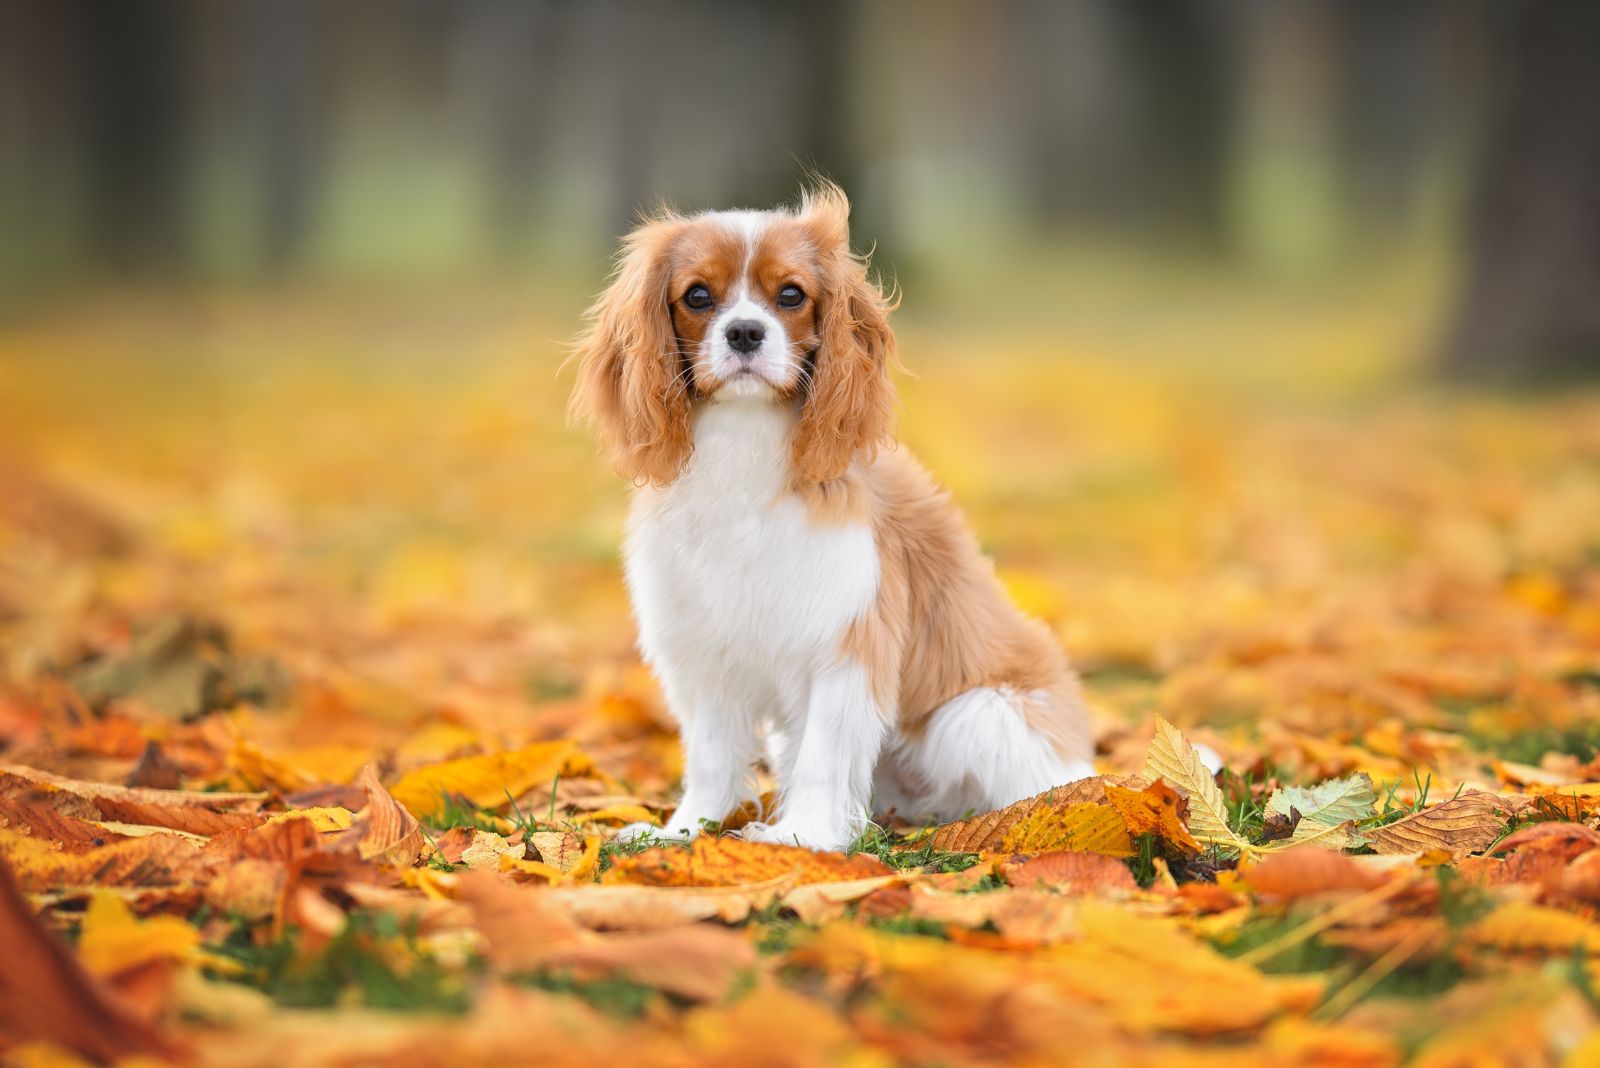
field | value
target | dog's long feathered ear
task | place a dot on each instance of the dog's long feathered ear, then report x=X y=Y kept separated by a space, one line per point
x=629 y=387
x=850 y=408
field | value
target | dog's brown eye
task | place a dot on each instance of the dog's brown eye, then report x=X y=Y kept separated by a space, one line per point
x=790 y=297
x=698 y=298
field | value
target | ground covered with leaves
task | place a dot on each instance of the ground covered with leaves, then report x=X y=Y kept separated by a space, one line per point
x=318 y=714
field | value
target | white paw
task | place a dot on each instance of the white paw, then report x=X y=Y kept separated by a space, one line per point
x=793 y=832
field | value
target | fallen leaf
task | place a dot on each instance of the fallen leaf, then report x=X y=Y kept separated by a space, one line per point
x=486 y=849
x=113 y=940
x=1520 y=925
x=156 y=860
x=1173 y=758
x=1329 y=803
x=1072 y=873
x=561 y=849
x=325 y=819
x=384 y=831
x=1082 y=827
x=488 y=781
x=45 y=994
x=821 y=902
x=984 y=833
x=1307 y=871
x=1157 y=809
x=1021 y=916
x=155 y=769
x=626 y=813
x=622 y=907
x=184 y=810
x=525 y=932
x=729 y=861
x=1462 y=824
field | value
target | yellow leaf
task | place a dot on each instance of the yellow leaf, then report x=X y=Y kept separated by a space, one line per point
x=1174 y=759
x=487 y=780
x=983 y=833
x=627 y=813
x=728 y=861
x=325 y=819
x=114 y=940
x=536 y=868
x=587 y=863
x=559 y=849
x=1083 y=828
x=434 y=884
x=1520 y=925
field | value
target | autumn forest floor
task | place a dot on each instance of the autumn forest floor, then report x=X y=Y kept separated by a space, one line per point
x=318 y=710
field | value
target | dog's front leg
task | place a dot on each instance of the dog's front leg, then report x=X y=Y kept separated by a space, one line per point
x=719 y=748
x=827 y=780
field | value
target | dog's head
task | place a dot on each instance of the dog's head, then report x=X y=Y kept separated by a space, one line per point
x=739 y=306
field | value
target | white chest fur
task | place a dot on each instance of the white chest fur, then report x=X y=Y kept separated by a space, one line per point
x=733 y=585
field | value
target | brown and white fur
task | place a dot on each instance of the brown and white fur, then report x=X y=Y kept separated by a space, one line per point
x=795 y=579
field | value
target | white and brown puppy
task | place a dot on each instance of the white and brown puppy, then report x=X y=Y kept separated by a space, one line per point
x=795 y=578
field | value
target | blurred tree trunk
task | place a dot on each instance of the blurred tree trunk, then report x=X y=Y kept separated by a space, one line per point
x=278 y=53
x=1530 y=305
x=1183 y=74
x=513 y=47
x=1121 y=112
x=136 y=66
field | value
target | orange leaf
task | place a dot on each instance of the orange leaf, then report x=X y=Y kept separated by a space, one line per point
x=1307 y=870
x=1157 y=809
x=1073 y=873
x=525 y=930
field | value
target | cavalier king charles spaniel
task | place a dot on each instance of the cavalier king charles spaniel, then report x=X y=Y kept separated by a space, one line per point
x=801 y=586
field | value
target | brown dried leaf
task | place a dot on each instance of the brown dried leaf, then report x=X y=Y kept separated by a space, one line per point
x=155 y=770
x=1463 y=824
x=384 y=831
x=50 y=825
x=183 y=810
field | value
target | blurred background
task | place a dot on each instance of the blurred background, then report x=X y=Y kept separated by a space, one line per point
x=996 y=152
x=1219 y=315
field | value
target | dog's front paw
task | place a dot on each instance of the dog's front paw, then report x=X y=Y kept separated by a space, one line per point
x=795 y=833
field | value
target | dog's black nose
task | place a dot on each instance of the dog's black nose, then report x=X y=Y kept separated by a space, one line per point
x=745 y=335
